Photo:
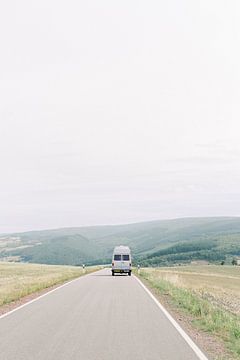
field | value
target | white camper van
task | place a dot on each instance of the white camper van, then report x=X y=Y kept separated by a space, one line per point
x=121 y=260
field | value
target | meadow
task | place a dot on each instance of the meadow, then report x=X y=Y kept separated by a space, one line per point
x=219 y=284
x=210 y=294
x=18 y=280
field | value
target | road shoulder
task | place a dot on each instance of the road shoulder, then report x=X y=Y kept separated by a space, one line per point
x=210 y=344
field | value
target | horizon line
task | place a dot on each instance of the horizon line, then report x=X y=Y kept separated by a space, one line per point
x=121 y=224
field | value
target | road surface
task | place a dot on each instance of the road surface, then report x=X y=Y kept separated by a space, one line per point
x=96 y=317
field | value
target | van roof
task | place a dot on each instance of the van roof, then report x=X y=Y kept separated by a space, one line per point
x=122 y=249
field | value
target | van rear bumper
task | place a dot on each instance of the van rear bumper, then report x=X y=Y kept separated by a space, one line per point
x=121 y=271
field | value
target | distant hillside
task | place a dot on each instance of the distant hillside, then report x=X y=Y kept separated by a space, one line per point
x=161 y=242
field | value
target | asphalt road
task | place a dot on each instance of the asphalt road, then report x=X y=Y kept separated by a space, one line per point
x=97 y=317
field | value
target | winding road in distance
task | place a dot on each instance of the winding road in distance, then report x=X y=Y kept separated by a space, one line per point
x=96 y=317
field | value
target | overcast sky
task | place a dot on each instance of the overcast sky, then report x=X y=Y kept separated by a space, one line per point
x=118 y=111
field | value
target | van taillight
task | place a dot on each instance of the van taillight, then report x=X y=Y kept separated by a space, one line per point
x=112 y=263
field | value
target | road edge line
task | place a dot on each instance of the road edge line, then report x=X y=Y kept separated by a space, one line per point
x=185 y=336
x=43 y=295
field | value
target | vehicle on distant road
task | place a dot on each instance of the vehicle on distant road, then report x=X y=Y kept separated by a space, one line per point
x=121 y=260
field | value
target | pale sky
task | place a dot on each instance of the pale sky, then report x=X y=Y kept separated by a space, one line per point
x=118 y=111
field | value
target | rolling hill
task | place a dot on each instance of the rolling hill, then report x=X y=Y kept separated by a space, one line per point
x=162 y=242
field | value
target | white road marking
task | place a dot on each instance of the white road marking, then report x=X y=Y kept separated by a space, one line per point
x=189 y=341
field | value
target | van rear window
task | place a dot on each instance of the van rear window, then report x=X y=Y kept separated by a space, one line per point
x=125 y=257
x=117 y=257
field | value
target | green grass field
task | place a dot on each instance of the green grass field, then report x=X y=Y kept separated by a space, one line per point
x=218 y=284
x=18 y=280
x=210 y=294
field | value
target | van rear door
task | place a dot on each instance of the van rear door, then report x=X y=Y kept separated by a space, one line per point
x=126 y=261
x=117 y=259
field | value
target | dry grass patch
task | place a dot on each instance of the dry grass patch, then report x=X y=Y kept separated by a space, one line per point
x=218 y=284
x=18 y=280
x=210 y=294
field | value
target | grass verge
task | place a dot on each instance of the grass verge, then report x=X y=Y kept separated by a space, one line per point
x=18 y=280
x=206 y=316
